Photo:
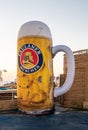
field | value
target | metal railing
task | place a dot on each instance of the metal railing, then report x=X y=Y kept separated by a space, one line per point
x=10 y=94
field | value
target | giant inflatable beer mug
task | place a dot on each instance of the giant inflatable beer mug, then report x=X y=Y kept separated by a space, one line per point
x=35 y=90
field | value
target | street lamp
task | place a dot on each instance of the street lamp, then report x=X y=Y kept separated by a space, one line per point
x=1 y=79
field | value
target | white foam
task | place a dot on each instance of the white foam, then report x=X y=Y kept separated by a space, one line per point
x=34 y=28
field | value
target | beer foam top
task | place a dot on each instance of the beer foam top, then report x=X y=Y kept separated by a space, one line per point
x=34 y=28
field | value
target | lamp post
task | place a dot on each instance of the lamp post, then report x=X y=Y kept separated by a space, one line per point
x=1 y=79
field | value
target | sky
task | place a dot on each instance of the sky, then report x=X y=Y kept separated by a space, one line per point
x=67 y=20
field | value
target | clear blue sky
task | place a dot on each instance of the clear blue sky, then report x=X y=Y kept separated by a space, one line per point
x=67 y=20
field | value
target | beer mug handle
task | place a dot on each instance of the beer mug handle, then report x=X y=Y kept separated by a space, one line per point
x=70 y=69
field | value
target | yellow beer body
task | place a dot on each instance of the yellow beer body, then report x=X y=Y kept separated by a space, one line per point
x=34 y=74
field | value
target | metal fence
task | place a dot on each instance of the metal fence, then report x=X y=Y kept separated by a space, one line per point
x=8 y=94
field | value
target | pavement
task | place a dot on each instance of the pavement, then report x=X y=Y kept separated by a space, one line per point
x=61 y=119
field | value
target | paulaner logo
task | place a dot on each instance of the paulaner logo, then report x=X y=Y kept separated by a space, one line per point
x=30 y=58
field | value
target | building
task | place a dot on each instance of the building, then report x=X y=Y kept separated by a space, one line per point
x=77 y=96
